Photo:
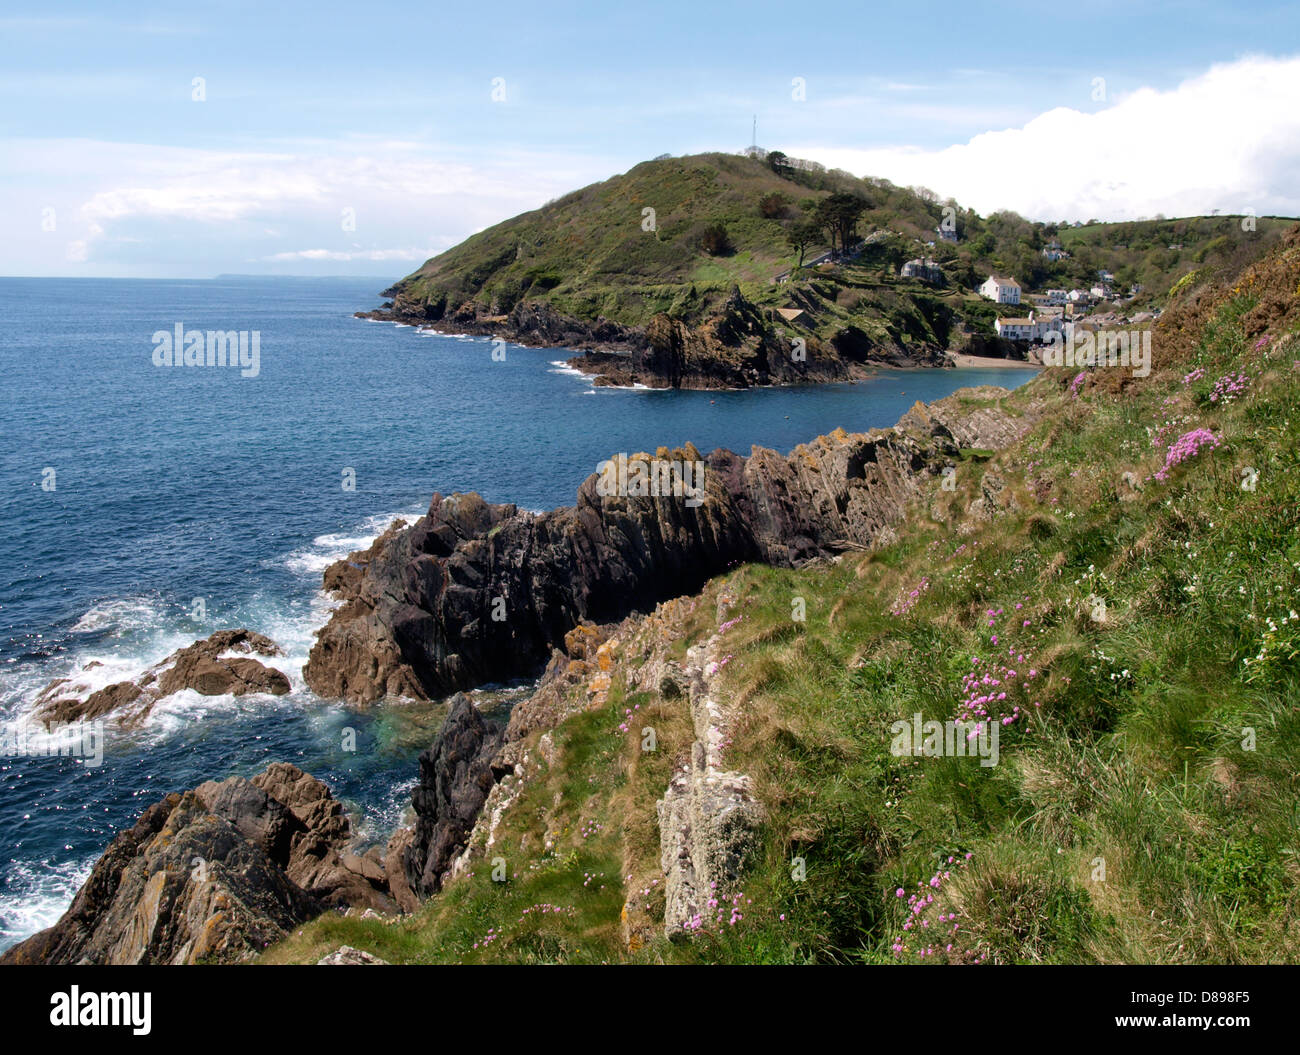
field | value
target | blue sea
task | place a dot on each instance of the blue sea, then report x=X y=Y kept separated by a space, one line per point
x=147 y=506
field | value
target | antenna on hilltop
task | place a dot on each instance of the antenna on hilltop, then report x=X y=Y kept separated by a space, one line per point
x=755 y=140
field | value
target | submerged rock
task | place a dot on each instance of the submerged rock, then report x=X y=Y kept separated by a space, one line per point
x=205 y=666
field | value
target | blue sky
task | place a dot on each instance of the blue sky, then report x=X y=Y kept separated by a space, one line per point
x=312 y=113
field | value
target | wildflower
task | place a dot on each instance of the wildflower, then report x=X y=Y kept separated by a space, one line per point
x=1188 y=445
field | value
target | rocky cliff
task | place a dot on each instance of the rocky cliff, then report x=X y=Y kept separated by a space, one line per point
x=737 y=348
x=475 y=592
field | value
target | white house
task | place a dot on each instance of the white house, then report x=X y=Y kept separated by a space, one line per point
x=1033 y=329
x=1057 y=296
x=1002 y=290
x=1053 y=251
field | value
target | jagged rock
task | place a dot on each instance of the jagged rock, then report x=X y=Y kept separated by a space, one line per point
x=423 y=618
x=262 y=820
x=347 y=956
x=203 y=666
x=709 y=825
x=456 y=774
x=395 y=870
x=182 y=886
x=214 y=874
x=318 y=859
x=553 y=700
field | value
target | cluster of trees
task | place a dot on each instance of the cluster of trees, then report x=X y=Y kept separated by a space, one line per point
x=1003 y=242
x=833 y=219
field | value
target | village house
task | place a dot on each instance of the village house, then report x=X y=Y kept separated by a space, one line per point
x=1056 y=296
x=925 y=270
x=1033 y=329
x=1002 y=290
x=1053 y=251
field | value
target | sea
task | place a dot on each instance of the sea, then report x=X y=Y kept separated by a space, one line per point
x=148 y=505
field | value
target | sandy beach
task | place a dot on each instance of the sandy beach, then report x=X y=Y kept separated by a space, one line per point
x=985 y=362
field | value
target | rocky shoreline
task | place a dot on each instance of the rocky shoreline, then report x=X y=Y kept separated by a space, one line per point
x=740 y=346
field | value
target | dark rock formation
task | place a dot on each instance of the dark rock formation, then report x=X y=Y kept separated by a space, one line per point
x=474 y=592
x=533 y=323
x=202 y=666
x=456 y=775
x=737 y=348
x=212 y=875
x=318 y=859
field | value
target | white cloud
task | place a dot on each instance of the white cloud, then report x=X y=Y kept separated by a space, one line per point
x=355 y=200
x=367 y=254
x=1228 y=139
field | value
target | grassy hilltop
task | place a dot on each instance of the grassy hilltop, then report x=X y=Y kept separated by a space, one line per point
x=1118 y=589
x=722 y=220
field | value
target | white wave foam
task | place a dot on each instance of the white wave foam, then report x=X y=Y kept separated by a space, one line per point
x=310 y=561
x=312 y=564
x=140 y=638
x=36 y=894
x=124 y=614
x=561 y=367
x=173 y=713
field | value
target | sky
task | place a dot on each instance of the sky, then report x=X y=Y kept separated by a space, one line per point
x=190 y=140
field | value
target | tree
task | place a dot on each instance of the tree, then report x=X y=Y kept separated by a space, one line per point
x=773 y=205
x=714 y=240
x=778 y=162
x=839 y=214
x=803 y=233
